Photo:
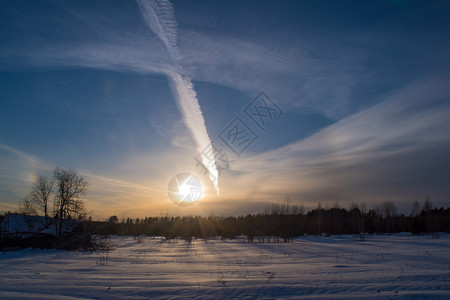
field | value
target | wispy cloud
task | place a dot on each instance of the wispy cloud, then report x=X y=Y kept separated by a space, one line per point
x=18 y=170
x=396 y=149
x=321 y=68
x=160 y=18
x=23 y=156
x=108 y=195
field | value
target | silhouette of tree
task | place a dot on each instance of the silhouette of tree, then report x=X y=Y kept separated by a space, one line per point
x=69 y=187
x=40 y=195
x=388 y=210
x=113 y=219
x=415 y=210
x=26 y=207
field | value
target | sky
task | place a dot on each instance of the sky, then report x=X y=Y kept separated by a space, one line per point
x=306 y=101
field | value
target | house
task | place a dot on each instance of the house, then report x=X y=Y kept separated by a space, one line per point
x=26 y=226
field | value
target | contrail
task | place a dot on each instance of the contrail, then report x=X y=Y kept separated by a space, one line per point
x=160 y=16
x=161 y=19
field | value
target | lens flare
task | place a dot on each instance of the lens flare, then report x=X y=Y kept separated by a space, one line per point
x=184 y=189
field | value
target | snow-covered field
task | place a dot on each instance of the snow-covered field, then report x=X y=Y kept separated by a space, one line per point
x=395 y=266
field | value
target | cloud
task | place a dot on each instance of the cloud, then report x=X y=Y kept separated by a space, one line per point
x=303 y=63
x=17 y=171
x=298 y=74
x=396 y=149
x=109 y=195
x=160 y=17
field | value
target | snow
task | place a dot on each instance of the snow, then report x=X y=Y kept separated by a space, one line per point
x=22 y=223
x=312 y=267
x=18 y=224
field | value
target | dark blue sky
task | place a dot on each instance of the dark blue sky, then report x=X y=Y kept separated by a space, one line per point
x=363 y=86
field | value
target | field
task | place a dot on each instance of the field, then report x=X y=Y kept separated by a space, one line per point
x=312 y=267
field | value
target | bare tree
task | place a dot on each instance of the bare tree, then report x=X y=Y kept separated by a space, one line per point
x=40 y=195
x=358 y=211
x=427 y=207
x=389 y=210
x=319 y=209
x=355 y=215
x=415 y=210
x=287 y=208
x=363 y=211
x=69 y=187
x=26 y=207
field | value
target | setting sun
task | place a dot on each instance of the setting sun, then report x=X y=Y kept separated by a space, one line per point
x=184 y=189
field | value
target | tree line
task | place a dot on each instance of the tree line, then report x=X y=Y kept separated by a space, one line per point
x=283 y=223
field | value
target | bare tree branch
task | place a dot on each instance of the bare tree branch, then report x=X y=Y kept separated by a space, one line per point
x=69 y=187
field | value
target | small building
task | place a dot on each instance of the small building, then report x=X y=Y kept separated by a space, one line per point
x=25 y=226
